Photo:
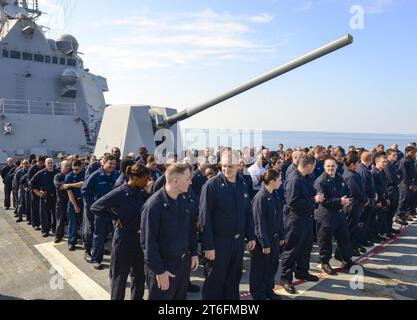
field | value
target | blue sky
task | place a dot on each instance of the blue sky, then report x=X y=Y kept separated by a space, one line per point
x=177 y=53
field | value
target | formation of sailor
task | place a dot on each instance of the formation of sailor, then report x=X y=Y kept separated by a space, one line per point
x=251 y=203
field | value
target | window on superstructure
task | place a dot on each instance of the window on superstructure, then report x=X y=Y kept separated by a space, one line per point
x=5 y=53
x=47 y=59
x=62 y=61
x=54 y=60
x=39 y=58
x=27 y=56
x=15 y=54
x=72 y=62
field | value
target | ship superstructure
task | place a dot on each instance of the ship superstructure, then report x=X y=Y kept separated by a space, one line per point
x=49 y=103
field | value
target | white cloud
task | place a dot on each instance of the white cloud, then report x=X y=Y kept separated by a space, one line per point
x=306 y=7
x=199 y=38
x=370 y=6
x=378 y=6
x=262 y=18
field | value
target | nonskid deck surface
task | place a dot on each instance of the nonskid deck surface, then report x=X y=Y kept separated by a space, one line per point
x=31 y=268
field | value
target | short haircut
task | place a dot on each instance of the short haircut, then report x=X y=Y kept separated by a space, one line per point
x=232 y=156
x=77 y=163
x=319 y=149
x=150 y=159
x=391 y=152
x=296 y=155
x=169 y=162
x=409 y=149
x=125 y=163
x=41 y=159
x=329 y=159
x=366 y=156
x=108 y=157
x=64 y=163
x=306 y=160
x=176 y=169
x=351 y=158
x=379 y=158
x=270 y=175
x=274 y=161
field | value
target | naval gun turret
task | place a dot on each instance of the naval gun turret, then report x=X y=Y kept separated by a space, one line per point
x=130 y=126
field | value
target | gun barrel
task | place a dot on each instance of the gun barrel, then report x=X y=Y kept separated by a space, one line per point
x=294 y=64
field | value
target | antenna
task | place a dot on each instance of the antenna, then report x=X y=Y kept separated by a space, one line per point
x=32 y=7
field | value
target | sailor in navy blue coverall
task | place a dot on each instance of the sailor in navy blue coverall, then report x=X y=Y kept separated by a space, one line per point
x=381 y=185
x=62 y=200
x=407 y=186
x=301 y=200
x=269 y=228
x=330 y=217
x=367 y=220
x=226 y=219
x=359 y=198
x=21 y=209
x=96 y=228
x=43 y=186
x=73 y=183
x=394 y=179
x=34 y=199
x=169 y=237
x=125 y=204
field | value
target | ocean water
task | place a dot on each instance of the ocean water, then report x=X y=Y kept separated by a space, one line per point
x=201 y=138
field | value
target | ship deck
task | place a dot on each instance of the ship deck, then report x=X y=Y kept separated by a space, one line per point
x=29 y=266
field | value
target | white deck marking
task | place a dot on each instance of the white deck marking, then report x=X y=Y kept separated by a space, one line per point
x=84 y=285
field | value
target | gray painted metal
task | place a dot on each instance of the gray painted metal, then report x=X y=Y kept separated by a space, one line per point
x=309 y=57
x=49 y=103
